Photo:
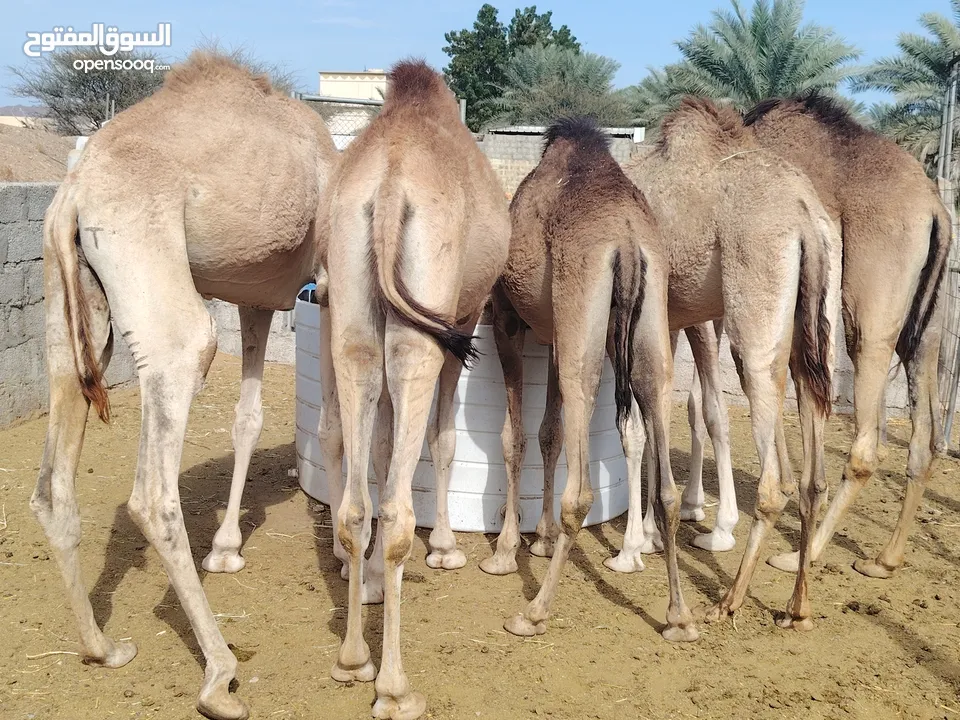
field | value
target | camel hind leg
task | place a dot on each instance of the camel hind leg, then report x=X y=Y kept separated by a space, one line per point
x=925 y=444
x=173 y=341
x=54 y=500
x=225 y=554
x=442 y=439
x=580 y=326
x=703 y=341
x=508 y=333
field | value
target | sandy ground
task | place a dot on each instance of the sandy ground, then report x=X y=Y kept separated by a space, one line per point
x=880 y=649
x=33 y=154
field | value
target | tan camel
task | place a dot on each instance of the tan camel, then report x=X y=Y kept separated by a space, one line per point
x=587 y=270
x=419 y=232
x=208 y=188
x=750 y=242
x=896 y=237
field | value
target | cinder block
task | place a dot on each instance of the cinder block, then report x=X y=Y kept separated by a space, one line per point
x=39 y=196
x=26 y=240
x=11 y=285
x=13 y=202
x=33 y=282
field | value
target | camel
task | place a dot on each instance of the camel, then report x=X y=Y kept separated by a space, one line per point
x=419 y=233
x=211 y=187
x=587 y=270
x=750 y=242
x=896 y=237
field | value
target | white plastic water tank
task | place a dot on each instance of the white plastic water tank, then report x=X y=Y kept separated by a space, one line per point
x=478 y=479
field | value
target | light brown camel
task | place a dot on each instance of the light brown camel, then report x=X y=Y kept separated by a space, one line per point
x=896 y=237
x=208 y=188
x=419 y=232
x=750 y=242
x=587 y=270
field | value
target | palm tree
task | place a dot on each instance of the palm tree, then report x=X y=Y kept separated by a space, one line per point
x=546 y=82
x=917 y=77
x=741 y=58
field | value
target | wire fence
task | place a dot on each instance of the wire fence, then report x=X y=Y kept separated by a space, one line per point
x=345 y=117
x=949 y=370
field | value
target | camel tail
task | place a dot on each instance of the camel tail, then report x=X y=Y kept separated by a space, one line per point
x=629 y=283
x=62 y=263
x=389 y=215
x=928 y=287
x=813 y=328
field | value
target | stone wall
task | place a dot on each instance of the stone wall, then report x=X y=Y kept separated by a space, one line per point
x=23 y=372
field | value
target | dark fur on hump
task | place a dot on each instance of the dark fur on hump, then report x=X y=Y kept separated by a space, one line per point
x=413 y=81
x=582 y=131
x=824 y=109
x=723 y=124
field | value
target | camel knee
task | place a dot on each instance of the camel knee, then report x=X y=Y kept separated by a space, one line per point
x=330 y=434
x=398 y=524
x=920 y=464
x=61 y=524
x=863 y=460
x=159 y=522
x=350 y=524
x=247 y=426
x=573 y=511
x=514 y=443
x=770 y=501
x=698 y=429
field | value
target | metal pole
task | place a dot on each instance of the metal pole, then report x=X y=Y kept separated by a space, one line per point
x=942 y=160
x=463 y=111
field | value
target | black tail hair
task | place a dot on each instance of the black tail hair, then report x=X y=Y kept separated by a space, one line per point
x=928 y=288
x=629 y=285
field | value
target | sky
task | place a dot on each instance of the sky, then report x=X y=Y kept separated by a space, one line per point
x=306 y=36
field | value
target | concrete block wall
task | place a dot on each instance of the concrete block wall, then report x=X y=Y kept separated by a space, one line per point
x=23 y=371
x=514 y=155
x=281 y=343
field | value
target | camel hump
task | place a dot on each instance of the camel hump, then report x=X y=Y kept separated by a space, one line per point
x=204 y=67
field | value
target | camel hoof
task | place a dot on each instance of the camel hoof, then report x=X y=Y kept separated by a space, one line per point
x=499 y=564
x=520 y=626
x=371 y=593
x=365 y=673
x=791 y=623
x=680 y=633
x=118 y=655
x=409 y=707
x=625 y=562
x=715 y=541
x=872 y=568
x=222 y=706
x=651 y=545
x=788 y=562
x=542 y=547
x=446 y=559
x=715 y=614
x=223 y=561
x=692 y=514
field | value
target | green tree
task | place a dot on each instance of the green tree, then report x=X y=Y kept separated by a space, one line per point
x=528 y=29
x=546 y=82
x=478 y=57
x=744 y=57
x=917 y=77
